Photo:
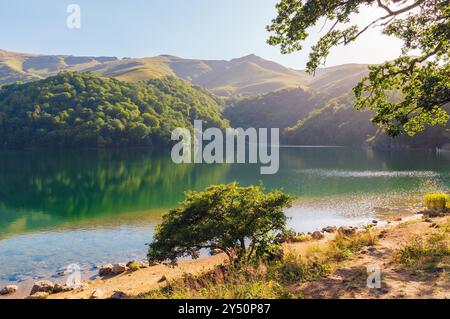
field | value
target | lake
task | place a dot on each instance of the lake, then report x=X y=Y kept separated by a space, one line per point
x=93 y=207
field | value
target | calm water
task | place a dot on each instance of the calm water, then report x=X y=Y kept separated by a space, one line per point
x=91 y=207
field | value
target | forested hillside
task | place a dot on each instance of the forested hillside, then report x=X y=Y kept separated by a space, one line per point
x=280 y=109
x=334 y=123
x=313 y=118
x=83 y=109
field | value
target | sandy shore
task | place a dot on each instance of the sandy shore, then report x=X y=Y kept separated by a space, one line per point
x=343 y=283
x=143 y=280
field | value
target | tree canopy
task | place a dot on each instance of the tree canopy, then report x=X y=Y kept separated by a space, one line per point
x=242 y=222
x=407 y=93
x=86 y=110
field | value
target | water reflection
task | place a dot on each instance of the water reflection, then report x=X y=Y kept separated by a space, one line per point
x=46 y=190
x=91 y=207
x=43 y=190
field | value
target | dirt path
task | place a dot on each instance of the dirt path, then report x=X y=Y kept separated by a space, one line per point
x=350 y=281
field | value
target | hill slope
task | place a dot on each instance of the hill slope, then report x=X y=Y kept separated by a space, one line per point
x=313 y=110
x=244 y=76
x=313 y=118
x=280 y=109
x=28 y=67
x=338 y=80
x=83 y=109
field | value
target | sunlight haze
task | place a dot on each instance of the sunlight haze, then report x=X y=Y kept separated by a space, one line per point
x=201 y=29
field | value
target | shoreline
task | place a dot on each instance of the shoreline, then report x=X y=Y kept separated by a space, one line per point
x=385 y=217
x=136 y=284
x=396 y=206
x=153 y=277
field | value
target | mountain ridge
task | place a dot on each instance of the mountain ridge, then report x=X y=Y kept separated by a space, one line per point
x=247 y=75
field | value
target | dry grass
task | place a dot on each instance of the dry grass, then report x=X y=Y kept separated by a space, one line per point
x=427 y=254
x=224 y=282
x=266 y=280
x=343 y=247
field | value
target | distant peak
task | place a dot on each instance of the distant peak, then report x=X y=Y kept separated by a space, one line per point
x=9 y=53
x=168 y=56
x=5 y=52
x=250 y=57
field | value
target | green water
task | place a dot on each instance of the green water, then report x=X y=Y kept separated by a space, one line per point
x=89 y=207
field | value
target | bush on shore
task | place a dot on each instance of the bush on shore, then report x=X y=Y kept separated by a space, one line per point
x=427 y=254
x=241 y=222
x=437 y=201
x=344 y=246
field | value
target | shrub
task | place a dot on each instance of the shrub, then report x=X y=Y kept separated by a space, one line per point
x=293 y=269
x=342 y=247
x=425 y=254
x=437 y=201
x=242 y=222
x=301 y=238
x=134 y=266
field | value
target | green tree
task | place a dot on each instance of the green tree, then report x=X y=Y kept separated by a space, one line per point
x=421 y=74
x=242 y=222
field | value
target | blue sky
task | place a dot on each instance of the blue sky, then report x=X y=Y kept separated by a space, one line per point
x=204 y=29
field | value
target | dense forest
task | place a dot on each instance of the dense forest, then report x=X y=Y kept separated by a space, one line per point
x=316 y=117
x=305 y=117
x=280 y=109
x=86 y=110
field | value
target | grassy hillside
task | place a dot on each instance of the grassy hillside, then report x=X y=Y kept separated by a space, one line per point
x=86 y=110
x=133 y=70
x=338 y=80
x=29 y=67
x=244 y=76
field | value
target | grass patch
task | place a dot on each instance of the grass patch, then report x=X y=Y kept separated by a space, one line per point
x=343 y=247
x=272 y=280
x=301 y=238
x=293 y=269
x=427 y=254
x=224 y=282
x=134 y=266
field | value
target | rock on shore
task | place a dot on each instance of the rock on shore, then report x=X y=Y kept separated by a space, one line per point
x=42 y=286
x=119 y=268
x=106 y=270
x=8 y=290
x=317 y=235
x=347 y=231
x=38 y=295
